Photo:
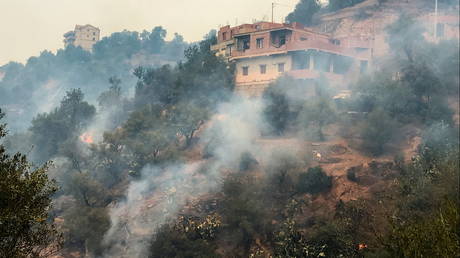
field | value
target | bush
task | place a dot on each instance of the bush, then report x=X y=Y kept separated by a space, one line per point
x=314 y=181
x=377 y=131
x=173 y=243
x=351 y=175
x=434 y=236
x=247 y=161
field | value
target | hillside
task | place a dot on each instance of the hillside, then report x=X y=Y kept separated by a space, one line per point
x=174 y=163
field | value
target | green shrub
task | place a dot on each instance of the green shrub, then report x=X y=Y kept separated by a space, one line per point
x=173 y=243
x=377 y=131
x=314 y=181
x=434 y=236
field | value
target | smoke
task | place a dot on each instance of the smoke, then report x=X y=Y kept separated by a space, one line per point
x=162 y=192
x=105 y=120
x=48 y=96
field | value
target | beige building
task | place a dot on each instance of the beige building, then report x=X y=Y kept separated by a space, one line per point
x=264 y=51
x=84 y=36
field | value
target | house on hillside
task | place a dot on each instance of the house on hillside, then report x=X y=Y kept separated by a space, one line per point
x=84 y=36
x=264 y=51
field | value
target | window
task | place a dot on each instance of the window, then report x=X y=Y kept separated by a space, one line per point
x=245 y=70
x=282 y=40
x=303 y=38
x=363 y=66
x=246 y=44
x=243 y=42
x=94 y=33
x=334 y=41
x=94 y=39
x=281 y=67
x=300 y=60
x=228 y=50
x=224 y=35
x=278 y=38
x=263 y=69
x=260 y=43
x=439 y=30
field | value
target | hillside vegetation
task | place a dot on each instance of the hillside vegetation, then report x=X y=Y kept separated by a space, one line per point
x=186 y=168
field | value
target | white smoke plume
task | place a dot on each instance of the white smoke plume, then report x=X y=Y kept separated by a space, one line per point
x=161 y=193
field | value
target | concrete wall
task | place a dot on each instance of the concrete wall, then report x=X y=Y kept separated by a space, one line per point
x=255 y=79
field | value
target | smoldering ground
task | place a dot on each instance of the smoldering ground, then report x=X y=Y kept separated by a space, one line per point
x=163 y=191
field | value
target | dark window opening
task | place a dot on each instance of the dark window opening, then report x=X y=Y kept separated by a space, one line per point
x=363 y=66
x=303 y=38
x=279 y=38
x=243 y=43
x=224 y=35
x=281 y=67
x=282 y=40
x=245 y=70
x=228 y=50
x=322 y=61
x=260 y=43
x=301 y=60
x=341 y=64
x=263 y=69
x=334 y=41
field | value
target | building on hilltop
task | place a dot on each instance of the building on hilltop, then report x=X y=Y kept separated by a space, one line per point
x=84 y=36
x=264 y=51
x=372 y=18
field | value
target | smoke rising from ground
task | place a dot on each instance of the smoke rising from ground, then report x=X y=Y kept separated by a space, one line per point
x=231 y=132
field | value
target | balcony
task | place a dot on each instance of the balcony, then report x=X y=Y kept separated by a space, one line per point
x=290 y=45
x=314 y=74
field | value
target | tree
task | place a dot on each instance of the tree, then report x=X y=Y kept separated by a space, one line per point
x=25 y=199
x=318 y=112
x=86 y=226
x=112 y=97
x=174 y=50
x=304 y=11
x=245 y=211
x=118 y=46
x=434 y=236
x=156 y=86
x=277 y=110
x=50 y=130
x=427 y=221
x=187 y=118
x=314 y=181
x=283 y=103
x=155 y=40
x=405 y=37
x=170 y=242
x=376 y=131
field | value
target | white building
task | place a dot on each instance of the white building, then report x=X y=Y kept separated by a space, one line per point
x=84 y=36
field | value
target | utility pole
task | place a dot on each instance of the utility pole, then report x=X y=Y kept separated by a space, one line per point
x=279 y=4
x=435 y=30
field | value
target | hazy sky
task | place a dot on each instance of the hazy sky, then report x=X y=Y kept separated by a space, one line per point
x=29 y=26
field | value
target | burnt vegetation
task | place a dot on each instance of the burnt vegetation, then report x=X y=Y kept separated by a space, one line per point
x=284 y=205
